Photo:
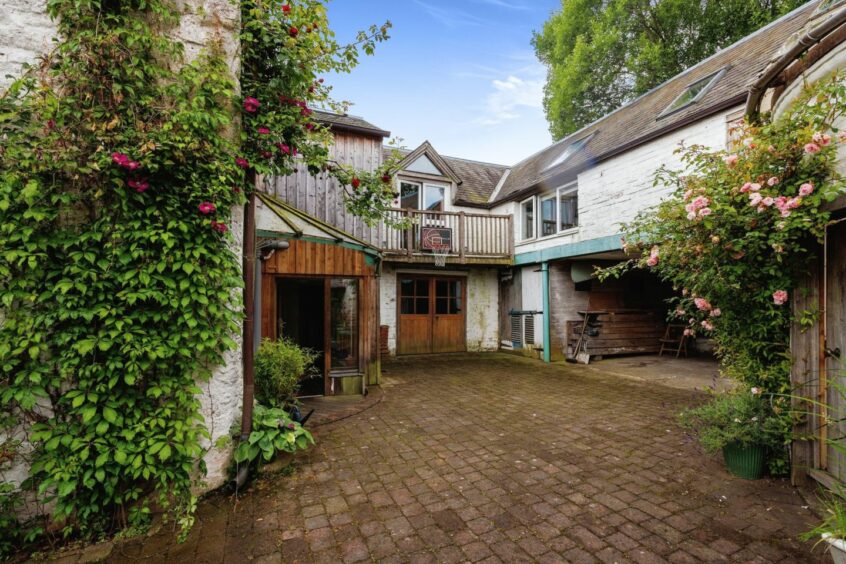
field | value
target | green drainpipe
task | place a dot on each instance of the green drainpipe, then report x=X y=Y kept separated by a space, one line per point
x=547 y=338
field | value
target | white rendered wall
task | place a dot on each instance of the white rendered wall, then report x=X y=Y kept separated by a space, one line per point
x=615 y=190
x=26 y=32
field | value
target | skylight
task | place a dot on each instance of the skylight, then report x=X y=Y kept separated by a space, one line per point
x=693 y=93
x=569 y=151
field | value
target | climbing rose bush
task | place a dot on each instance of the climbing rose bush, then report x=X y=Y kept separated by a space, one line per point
x=738 y=230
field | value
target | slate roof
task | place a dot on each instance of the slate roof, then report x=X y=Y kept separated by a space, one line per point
x=349 y=123
x=478 y=179
x=640 y=120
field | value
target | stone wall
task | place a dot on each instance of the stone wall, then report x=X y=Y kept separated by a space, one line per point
x=25 y=33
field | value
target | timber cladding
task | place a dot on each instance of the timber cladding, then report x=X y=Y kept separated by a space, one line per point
x=308 y=258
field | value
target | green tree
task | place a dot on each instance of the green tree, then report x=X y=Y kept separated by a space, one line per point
x=603 y=53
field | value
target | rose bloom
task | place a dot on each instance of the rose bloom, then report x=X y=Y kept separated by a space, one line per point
x=745 y=188
x=755 y=198
x=768 y=201
x=780 y=297
x=707 y=325
x=688 y=332
x=826 y=140
x=251 y=104
x=691 y=215
x=652 y=261
x=716 y=312
x=812 y=148
x=242 y=162
x=705 y=211
x=772 y=181
x=207 y=207
x=842 y=136
x=755 y=391
x=806 y=189
x=702 y=304
x=730 y=160
x=263 y=131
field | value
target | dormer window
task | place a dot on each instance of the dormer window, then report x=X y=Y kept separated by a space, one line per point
x=693 y=93
x=569 y=151
x=422 y=196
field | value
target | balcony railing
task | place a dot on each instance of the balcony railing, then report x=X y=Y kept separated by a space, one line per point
x=471 y=237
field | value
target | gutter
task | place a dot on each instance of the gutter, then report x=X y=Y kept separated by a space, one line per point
x=805 y=42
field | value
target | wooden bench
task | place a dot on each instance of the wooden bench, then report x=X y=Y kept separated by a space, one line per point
x=616 y=332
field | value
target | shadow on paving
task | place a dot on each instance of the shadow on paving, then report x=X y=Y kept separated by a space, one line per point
x=499 y=458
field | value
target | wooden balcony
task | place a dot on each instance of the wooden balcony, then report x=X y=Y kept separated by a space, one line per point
x=472 y=238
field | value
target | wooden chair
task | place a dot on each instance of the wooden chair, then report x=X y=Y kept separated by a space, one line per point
x=674 y=340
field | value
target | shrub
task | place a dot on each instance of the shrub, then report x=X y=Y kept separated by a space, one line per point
x=279 y=365
x=742 y=416
x=273 y=432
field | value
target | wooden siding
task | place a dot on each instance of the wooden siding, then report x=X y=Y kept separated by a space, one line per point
x=312 y=259
x=321 y=196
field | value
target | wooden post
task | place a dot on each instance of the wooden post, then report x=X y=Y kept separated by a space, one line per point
x=462 y=220
x=249 y=273
x=547 y=338
x=511 y=235
x=409 y=234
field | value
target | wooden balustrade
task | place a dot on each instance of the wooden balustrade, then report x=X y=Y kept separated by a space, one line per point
x=474 y=237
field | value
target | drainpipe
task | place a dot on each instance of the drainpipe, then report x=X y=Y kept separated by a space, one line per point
x=547 y=338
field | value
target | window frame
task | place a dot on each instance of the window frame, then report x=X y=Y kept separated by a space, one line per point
x=712 y=81
x=425 y=187
x=541 y=199
x=523 y=203
x=566 y=190
x=419 y=192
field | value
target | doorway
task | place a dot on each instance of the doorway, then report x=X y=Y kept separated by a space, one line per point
x=432 y=314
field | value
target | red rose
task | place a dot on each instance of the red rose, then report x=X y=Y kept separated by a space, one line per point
x=356 y=182
x=286 y=8
x=293 y=32
x=386 y=178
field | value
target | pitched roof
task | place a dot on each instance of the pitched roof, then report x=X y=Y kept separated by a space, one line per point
x=476 y=180
x=640 y=120
x=349 y=123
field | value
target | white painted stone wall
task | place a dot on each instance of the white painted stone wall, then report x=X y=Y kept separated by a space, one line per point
x=26 y=32
x=482 y=305
x=615 y=190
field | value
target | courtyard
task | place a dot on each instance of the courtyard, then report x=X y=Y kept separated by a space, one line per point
x=497 y=458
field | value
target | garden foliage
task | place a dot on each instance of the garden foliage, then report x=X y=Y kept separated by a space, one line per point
x=279 y=366
x=738 y=231
x=119 y=170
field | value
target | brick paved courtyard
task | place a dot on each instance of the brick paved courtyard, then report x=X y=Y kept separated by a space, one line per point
x=496 y=458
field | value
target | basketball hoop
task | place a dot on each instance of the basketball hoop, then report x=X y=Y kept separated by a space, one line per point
x=440 y=253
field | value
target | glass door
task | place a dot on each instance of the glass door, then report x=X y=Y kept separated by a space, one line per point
x=343 y=324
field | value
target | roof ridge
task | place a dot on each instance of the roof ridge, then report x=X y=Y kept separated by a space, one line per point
x=388 y=147
x=669 y=80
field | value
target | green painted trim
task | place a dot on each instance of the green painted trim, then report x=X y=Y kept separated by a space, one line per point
x=547 y=338
x=589 y=247
x=372 y=255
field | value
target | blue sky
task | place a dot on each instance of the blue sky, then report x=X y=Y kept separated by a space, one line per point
x=460 y=73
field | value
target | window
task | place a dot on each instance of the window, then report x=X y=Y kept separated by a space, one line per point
x=434 y=197
x=568 y=207
x=343 y=318
x=527 y=214
x=548 y=215
x=447 y=297
x=414 y=296
x=569 y=151
x=409 y=195
x=693 y=93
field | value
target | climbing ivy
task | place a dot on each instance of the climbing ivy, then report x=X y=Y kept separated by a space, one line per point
x=119 y=170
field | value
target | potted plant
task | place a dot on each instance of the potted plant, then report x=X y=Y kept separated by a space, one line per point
x=832 y=530
x=738 y=423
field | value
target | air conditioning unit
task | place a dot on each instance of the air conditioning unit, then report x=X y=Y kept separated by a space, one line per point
x=523 y=329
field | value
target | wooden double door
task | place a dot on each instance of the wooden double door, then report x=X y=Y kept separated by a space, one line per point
x=431 y=313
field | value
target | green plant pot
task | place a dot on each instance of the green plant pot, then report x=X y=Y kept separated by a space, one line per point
x=745 y=461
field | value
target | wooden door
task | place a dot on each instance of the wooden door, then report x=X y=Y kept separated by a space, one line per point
x=431 y=314
x=448 y=333
x=835 y=347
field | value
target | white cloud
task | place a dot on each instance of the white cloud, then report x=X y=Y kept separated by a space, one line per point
x=509 y=97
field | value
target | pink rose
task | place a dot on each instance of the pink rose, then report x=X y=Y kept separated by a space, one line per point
x=251 y=104
x=754 y=187
x=652 y=261
x=812 y=148
x=773 y=180
x=207 y=208
x=768 y=201
x=691 y=215
x=716 y=312
x=730 y=160
x=806 y=189
x=263 y=131
x=826 y=140
x=745 y=188
x=842 y=136
x=755 y=198
x=688 y=332
x=242 y=162
x=702 y=304
x=705 y=211
x=780 y=297
x=138 y=184
x=707 y=325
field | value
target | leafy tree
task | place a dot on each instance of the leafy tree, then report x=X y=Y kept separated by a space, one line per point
x=603 y=53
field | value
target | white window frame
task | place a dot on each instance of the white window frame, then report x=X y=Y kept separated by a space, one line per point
x=419 y=192
x=426 y=186
x=541 y=199
x=566 y=190
x=534 y=219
